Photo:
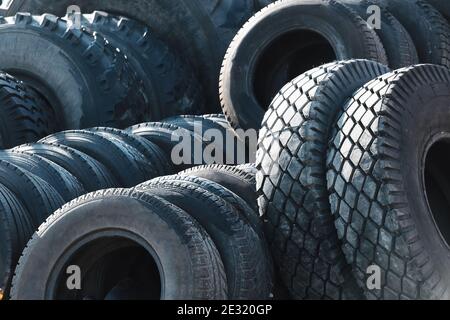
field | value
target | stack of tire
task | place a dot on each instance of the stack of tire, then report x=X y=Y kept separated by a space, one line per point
x=38 y=178
x=290 y=37
x=196 y=235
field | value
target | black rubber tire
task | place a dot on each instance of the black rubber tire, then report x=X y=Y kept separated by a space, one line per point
x=167 y=137
x=24 y=116
x=238 y=244
x=427 y=27
x=379 y=183
x=186 y=26
x=232 y=178
x=39 y=198
x=169 y=83
x=399 y=46
x=442 y=6
x=250 y=78
x=97 y=88
x=292 y=182
x=15 y=229
x=250 y=168
x=187 y=258
x=149 y=153
x=220 y=135
x=126 y=164
x=59 y=178
x=92 y=174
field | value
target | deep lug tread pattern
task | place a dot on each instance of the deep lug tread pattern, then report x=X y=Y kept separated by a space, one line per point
x=113 y=96
x=24 y=116
x=169 y=82
x=367 y=188
x=291 y=181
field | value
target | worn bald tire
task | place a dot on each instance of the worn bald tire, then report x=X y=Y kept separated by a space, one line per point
x=59 y=178
x=238 y=243
x=128 y=166
x=92 y=174
x=144 y=247
x=399 y=46
x=427 y=27
x=292 y=182
x=282 y=41
x=169 y=83
x=99 y=88
x=24 y=116
x=388 y=182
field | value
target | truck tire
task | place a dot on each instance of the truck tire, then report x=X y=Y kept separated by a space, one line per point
x=127 y=166
x=399 y=46
x=92 y=174
x=290 y=33
x=442 y=6
x=40 y=199
x=292 y=179
x=122 y=232
x=238 y=244
x=160 y=164
x=99 y=88
x=232 y=178
x=169 y=83
x=15 y=228
x=24 y=116
x=185 y=26
x=60 y=179
x=427 y=27
x=391 y=202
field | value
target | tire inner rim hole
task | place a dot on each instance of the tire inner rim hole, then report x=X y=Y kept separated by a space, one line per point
x=112 y=268
x=287 y=57
x=437 y=185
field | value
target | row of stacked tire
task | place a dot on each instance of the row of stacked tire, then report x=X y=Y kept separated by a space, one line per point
x=351 y=160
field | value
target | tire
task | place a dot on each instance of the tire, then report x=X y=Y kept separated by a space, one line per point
x=399 y=46
x=427 y=27
x=442 y=6
x=386 y=204
x=92 y=174
x=224 y=147
x=249 y=168
x=15 y=228
x=127 y=166
x=99 y=88
x=146 y=228
x=292 y=182
x=169 y=83
x=167 y=136
x=184 y=26
x=39 y=198
x=250 y=79
x=60 y=179
x=238 y=244
x=24 y=116
x=232 y=178
x=148 y=152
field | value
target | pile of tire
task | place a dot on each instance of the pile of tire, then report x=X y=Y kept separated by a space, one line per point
x=111 y=72
x=355 y=183
x=38 y=178
x=289 y=37
x=195 y=235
